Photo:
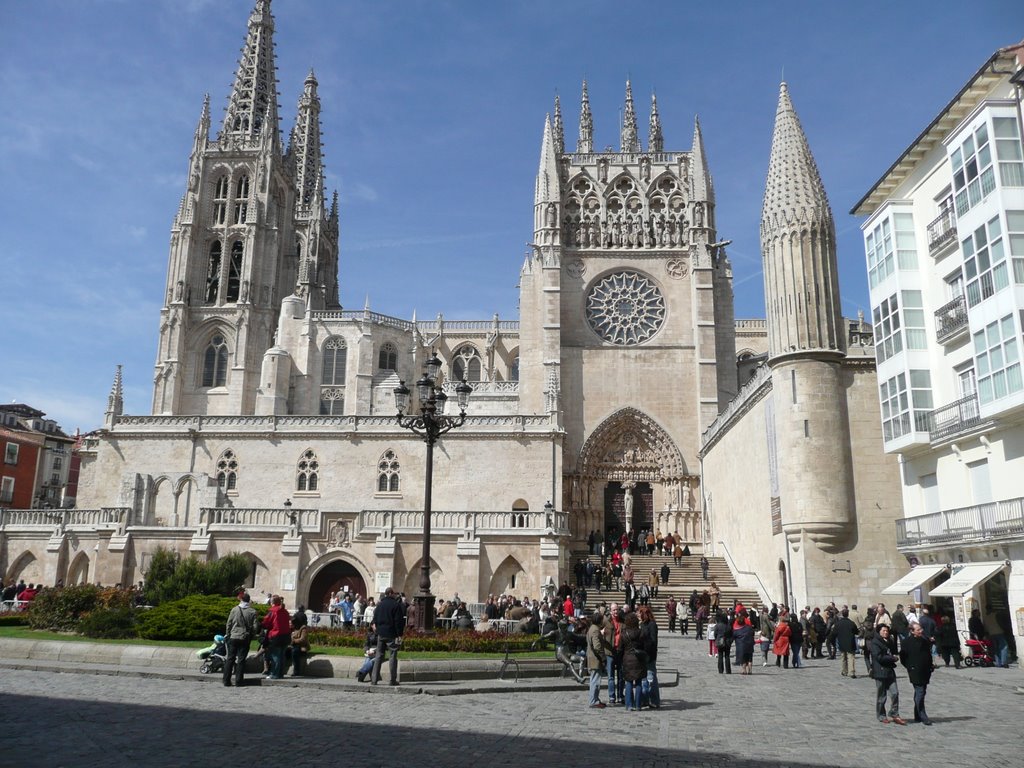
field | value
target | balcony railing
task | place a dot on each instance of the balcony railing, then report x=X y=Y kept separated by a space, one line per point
x=950 y=319
x=978 y=523
x=942 y=231
x=954 y=418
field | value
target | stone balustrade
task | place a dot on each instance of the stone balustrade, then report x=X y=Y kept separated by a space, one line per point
x=390 y=522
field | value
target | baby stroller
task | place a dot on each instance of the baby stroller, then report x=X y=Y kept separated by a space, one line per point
x=213 y=656
x=980 y=653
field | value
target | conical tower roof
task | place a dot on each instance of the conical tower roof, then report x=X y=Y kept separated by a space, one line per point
x=793 y=190
x=253 y=100
x=305 y=146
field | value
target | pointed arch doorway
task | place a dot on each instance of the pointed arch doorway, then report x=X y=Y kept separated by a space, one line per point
x=337 y=576
x=619 y=516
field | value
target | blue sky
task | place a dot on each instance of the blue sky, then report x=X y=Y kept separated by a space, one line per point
x=432 y=119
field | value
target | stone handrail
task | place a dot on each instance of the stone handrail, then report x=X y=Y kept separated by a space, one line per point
x=64 y=518
x=272 y=518
x=334 y=424
x=389 y=522
x=761 y=374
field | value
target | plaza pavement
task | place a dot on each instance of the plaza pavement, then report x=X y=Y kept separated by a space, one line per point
x=809 y=717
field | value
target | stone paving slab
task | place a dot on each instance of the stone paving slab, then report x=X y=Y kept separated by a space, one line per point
x=809 y=717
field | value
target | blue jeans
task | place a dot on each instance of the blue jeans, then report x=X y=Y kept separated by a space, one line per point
x=1001 y=649
x=795 y=647
x=651 y=693
x=610 y=669
x=632 y=695
x=276 y=652
x=595 y=686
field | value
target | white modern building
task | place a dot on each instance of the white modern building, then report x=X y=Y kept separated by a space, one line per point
x=944 y=241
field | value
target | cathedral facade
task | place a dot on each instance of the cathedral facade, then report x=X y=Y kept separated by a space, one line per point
x=273 y=428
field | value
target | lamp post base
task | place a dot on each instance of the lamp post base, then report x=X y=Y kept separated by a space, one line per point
x=424 y=603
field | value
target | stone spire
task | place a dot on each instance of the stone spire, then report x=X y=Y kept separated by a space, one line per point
x=304 y=149
x=630 y=135
x=115 y=401
x=703 y=188
x=585 y=143
x=547 y=195
x=558 y=127
x=202 y=128
x=253 y=99
x=798 y=245
x=655 y=141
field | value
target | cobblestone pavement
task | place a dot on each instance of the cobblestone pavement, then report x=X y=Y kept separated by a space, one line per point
x=775 y=717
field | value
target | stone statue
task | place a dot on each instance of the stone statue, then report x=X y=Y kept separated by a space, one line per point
x=628 y=504
x=549 y=216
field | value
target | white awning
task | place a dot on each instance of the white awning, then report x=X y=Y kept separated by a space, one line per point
x=966 y=579
x=914 y=579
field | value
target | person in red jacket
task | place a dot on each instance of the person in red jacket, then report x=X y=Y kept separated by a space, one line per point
x=279 y=636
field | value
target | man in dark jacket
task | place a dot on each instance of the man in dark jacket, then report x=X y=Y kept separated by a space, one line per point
x=900 y=624
x=389 y=618
x=846 y=641
x=917 y=658
x=883 y=668
x=928 y=626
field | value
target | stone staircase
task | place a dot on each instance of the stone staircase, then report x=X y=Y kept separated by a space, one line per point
x=682 y=580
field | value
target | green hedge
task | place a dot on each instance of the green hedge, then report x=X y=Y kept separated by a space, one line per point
x=197 y=617
x=171 y=577
x=451 y=640
x=14 y=619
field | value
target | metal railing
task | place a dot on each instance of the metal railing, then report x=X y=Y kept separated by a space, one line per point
x=950 y=319
x=954 y=418
x=942 y=230
x=964 y=524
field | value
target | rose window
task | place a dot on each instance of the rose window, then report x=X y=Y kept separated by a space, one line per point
x=625 y=308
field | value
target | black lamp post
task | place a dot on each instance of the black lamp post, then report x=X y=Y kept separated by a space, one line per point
x=430 y=424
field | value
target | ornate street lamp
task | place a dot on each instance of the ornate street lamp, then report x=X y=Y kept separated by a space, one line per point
x=430 y=424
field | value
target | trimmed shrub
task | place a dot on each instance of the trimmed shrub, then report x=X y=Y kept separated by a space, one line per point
x=14 y=619
x=61 y=609
x=197 y=617
x=115 y=623
x=171 y=577
x=450 y=640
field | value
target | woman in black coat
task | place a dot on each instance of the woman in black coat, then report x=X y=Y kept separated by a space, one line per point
x=634 y=661
x=743 y=636
x=723 y=642
x=916 y=656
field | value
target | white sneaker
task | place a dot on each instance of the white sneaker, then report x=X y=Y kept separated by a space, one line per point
x=764 y=664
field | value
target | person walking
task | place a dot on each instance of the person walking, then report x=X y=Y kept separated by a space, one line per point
x=743 y=637
x=389 y=618
x=612 y=631
x=649 y=689
x=242 y=626
x=883 y=669
x=949 y=642
x=766 y=632
x=780 y=641
x=672 y=611
x=723 y=642
x=846 y=642
x=704 y=565
x=917 y=658
x=279 y=636
x=796 y=640
x=597 y=655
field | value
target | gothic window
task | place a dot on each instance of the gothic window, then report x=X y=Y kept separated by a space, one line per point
x=513 y=371
x=227 y=471
x=625 y=308
x=213 y=273
x=241 y=199
x=235 y=270
x=307 y=473
x=466 y=364
x=215 y=362
x=220 y=200
x=332 y=378
x=388 y=472
x=387 y=360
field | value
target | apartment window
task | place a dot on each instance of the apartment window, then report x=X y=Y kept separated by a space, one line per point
x=888 y=333
x=220 y=200
x=973 y=175
x=966 y=381
x=895 y=407
x=308 y=472
x=215 y=362
x=6 y=490
x=388 y=471
x=921 y=398
x=241 y=199
x=913 y=320
x=985 y=262
x=1015 y=234
x=997 y=360
x=879 y=249
x=58 y=462
x=1008 y=151
x=906 y=243
x=955 y=286
x=11 y=453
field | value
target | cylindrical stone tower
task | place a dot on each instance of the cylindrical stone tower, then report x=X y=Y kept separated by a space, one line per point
x=806 y=343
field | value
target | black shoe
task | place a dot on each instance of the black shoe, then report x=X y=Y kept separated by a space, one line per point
x=927 y=722
x=361 y=677
x=393 y=682
x=227 y=683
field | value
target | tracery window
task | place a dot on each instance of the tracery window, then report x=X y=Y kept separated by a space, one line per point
x=625 y=308
x=388 y=471
x=220 y=200
x=215 y=362
x=227 y=471
x=332 y=377
x=307 y=473
x=387 y=360
x=241 y=199
x=513 y=371
x=466 y=364
x=213 y=273
x=235 y=270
